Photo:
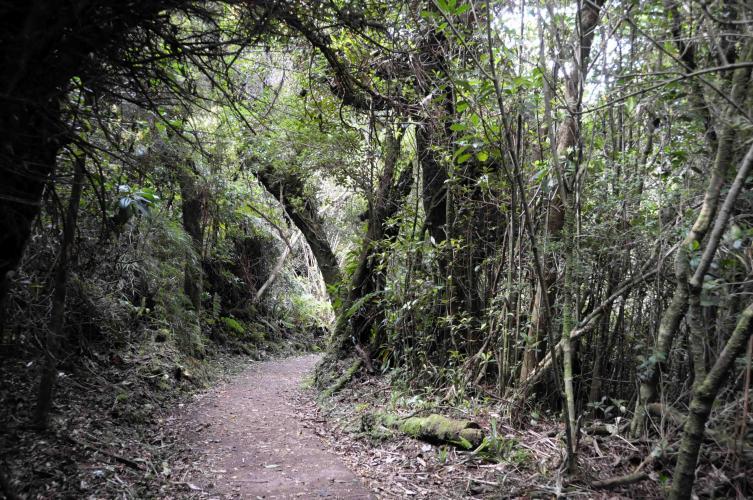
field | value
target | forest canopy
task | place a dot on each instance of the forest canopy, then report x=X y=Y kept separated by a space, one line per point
x=542 y=206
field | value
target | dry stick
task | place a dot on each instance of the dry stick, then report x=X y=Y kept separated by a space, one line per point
x=617 y=481
x=123 y=460
x=289 y=245
x=278 y=267
x=746 y=393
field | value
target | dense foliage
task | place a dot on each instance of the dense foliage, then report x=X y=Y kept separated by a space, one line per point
x=542 y=205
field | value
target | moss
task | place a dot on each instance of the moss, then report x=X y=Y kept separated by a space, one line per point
x=435 y=428
x=362 y=407
x=441 y=428
x=233 y=325
x=257 y=333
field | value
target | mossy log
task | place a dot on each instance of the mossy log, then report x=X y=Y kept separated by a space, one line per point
x=434 y=428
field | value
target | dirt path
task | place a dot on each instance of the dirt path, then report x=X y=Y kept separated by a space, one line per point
x=253 y=438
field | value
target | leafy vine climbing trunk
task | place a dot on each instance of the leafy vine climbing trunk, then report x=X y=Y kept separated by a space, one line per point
x=561 y=225
x=369 y=279
x=564 y=162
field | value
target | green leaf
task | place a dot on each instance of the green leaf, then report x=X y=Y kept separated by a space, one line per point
x=459 y=151
x=464 y=158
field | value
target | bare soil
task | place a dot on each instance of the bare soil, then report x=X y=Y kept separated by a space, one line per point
x=256 y=437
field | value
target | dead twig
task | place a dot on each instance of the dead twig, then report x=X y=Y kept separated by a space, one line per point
x=118 y=458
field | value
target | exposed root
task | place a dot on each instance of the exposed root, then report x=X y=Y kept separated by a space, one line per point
x=342 y=380
x=617 y=481
x=636 y=476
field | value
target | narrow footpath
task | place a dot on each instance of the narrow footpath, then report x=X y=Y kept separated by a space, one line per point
x=253 y=438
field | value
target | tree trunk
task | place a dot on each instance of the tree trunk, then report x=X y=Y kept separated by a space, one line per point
x=289 y=189
x=57 y=317
x=28 y=147
x=649 y=373
x=367 y=281
x=39 y=56
x=360 y=316
x=564 y=145
x=434 y=428
x=701 y=404
x=192 y=206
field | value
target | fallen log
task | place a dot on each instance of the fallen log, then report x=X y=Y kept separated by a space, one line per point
x=434 y=428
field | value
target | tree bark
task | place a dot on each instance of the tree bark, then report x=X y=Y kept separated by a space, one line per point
x=57 y=317
x=701 y=404
x=563 y=149
x=192 y=205
x=366 y=280
x=649 y=373
x=360 y=316
x=289 y=189
x=39 y=57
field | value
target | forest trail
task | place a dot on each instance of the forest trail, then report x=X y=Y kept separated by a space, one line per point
x=252 y=438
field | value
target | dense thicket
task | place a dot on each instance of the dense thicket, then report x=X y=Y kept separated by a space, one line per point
x=546 y=204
